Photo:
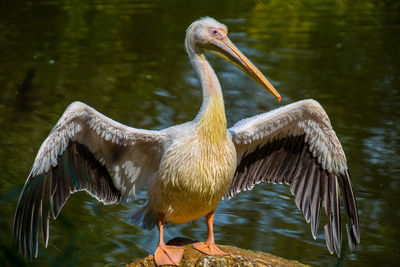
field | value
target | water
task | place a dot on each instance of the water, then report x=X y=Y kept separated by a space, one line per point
x=126 y=59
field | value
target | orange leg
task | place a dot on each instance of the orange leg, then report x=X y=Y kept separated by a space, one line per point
x=209 y=246
x=167 y=255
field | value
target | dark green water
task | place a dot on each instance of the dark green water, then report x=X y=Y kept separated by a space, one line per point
x=127 y=60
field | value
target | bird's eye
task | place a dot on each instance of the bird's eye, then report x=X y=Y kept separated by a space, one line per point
x=215 y=32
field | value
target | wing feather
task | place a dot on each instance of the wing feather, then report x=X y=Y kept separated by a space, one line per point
x=84 y=151
x=315 y=203
x=296 y=145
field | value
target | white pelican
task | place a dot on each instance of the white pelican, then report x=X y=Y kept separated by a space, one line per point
x=190 y=167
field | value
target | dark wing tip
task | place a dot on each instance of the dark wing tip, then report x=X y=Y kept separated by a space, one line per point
x=350 y=205
x=45 y=194
x=29 y=214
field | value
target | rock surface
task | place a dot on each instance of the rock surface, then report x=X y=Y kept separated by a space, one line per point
x=237 y=257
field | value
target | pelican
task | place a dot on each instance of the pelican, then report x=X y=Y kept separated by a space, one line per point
x=189 y=168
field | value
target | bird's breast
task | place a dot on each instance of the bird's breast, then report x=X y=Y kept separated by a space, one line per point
x=193 y=176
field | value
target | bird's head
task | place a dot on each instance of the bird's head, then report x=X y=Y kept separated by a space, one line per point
x=207 y=34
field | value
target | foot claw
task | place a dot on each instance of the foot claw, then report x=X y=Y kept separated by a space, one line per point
x=168 y=255
x=209 y=249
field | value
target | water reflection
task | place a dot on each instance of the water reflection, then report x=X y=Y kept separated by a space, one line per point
x=126 y=59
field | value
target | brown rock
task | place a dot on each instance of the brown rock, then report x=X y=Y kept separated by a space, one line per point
x=237 y=257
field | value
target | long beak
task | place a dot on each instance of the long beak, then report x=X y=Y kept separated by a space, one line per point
x=225 y=49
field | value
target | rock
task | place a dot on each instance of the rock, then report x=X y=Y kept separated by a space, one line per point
x=237 y=257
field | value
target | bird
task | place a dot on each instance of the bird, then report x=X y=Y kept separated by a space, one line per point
x=189 y=168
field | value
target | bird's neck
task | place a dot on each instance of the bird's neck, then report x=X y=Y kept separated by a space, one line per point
x=211 y=120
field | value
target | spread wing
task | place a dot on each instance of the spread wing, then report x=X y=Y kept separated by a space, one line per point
x=296 y=145
x=85 y=151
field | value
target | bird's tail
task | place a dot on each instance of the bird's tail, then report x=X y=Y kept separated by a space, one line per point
x=144 y=216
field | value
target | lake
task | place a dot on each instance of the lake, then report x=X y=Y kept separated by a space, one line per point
x=127 y=60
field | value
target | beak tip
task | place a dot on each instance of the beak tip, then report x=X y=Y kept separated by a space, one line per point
x=279 y=98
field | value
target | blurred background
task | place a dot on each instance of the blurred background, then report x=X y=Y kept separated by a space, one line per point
x=127 y=60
